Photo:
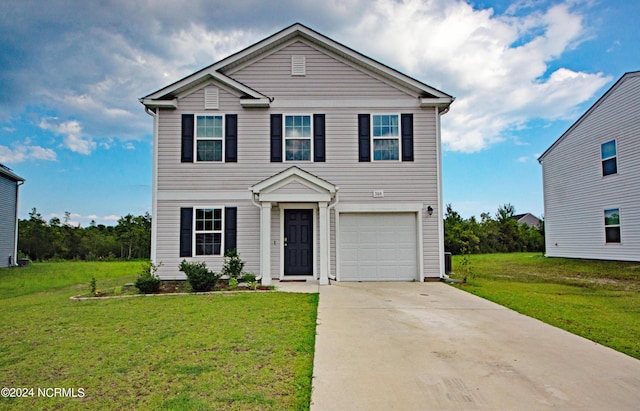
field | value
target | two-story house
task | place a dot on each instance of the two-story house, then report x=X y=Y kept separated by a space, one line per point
x=311 y=159
x=591 y=180
x=9 y=187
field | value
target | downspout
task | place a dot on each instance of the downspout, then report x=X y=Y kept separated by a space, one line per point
x=253 y=200
x=336 y=200
x=15 y=243
x=440 y=215
x=154 y=185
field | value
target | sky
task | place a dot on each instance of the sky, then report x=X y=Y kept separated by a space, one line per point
x=522 y=72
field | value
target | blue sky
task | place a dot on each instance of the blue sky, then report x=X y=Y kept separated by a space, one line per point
x=522 y=72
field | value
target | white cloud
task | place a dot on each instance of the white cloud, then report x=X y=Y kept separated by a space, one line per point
x=497 y=66
x=23 y=151
x=503 y=68
x=71 y=130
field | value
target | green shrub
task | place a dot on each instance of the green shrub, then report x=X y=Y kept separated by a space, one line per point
x=249 y=277
x=199 y=276
x=233 y=264
x=233 y=283
x=148 y=282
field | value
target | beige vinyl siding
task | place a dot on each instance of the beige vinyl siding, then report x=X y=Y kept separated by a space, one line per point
x=326 y=78
x=576 y=193
x=168 y=237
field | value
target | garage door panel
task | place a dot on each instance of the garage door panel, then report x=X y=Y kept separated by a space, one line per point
x=378 y=247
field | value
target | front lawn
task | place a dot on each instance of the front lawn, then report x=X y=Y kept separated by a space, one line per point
x=245 y=351
x=599 y=300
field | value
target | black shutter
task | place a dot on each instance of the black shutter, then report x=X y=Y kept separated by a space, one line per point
x=230 y=228
x=186 y=237
x=318 y=137
x=364 y=135
x=406 y=121
x=276 y=138
x=187 y=138
x=231 y=138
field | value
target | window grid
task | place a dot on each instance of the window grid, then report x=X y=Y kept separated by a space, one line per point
x=209 y=133
x=609 y=155
x=385 y=130
x=612 y=225
x=208 y=231
x=297 y=137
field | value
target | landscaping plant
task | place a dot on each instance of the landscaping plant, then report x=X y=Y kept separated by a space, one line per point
x=199 y=276
x=148 y=282
x=233 y=264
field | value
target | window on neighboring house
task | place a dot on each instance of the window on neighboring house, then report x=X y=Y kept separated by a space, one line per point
x=609 y=158
x=208 y=231
x=612 y=225
x=297 y=138
x=209 y=137
x=385 y=137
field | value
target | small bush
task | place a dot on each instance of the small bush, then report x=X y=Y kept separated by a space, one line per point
x=249 y=277
x=199 y=276
x=233 y=283
x=148 y=282
x=233 y=264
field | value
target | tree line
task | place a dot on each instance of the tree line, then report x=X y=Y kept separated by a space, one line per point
x=56 y=239
x=502 y=234
x=131 y=237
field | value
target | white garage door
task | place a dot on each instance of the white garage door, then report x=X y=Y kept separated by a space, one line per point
x=378 y=247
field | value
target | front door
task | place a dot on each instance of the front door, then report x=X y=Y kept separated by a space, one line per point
x=298 y=242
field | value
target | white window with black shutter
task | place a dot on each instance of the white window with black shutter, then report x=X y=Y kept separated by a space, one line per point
x=385 y=137
x=207 y=230
x=297 y=137
x=209 y=138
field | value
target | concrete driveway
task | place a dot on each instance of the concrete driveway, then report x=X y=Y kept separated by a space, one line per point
x=429 y=346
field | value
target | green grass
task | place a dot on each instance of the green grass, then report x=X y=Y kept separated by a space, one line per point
x=245 y=351
x=599 y=300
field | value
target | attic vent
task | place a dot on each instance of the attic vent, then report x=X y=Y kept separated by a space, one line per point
x=298 y=66
x=211 y=98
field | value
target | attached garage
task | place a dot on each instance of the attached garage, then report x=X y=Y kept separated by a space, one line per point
x=378 y=247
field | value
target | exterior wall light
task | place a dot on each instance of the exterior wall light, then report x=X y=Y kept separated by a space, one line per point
x=430 y=210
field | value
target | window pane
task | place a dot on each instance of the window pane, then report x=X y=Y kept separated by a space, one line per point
x=217 y=219
x=385 y=126
x=609 y=166
x=208 y=243
x=385 y=149
x=209 y=126
x=298 y=150
x=609 y=149
x=612 y=234
x=297 y=126
x=612 y=217
x=204 y=244
x=209 y=150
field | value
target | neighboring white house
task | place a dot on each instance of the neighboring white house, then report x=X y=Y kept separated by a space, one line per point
x=313 y=160
x=9 y=186
x=528 y=219
x=591 y=180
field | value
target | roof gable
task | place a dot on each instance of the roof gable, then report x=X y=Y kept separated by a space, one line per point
x=161 y=98
x=8 y=173
x=594 y=107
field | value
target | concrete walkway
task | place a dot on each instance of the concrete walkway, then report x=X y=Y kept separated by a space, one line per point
x=429 y=346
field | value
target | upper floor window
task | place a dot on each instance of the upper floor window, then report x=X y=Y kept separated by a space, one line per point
x=609 y=158
x=385 y=137
x=208 y=231
x=297 y=138
x=612 y=225
x=209 y=137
